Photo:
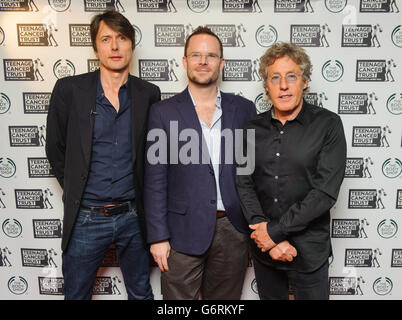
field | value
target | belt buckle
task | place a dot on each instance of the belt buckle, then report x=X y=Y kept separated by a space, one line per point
x=105 y=210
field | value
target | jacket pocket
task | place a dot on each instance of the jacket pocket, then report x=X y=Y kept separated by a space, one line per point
x=177 y=206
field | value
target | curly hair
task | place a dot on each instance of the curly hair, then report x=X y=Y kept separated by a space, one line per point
x=282 y=49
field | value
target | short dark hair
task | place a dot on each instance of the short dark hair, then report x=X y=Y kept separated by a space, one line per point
x=114 y=20
x=203 y=30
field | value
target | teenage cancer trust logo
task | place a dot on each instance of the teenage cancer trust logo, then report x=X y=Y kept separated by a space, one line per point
x=332 y=70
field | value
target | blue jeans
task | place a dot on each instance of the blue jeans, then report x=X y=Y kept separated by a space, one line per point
x=91 y=237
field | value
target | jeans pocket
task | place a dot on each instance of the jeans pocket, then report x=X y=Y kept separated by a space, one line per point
x=83 y=218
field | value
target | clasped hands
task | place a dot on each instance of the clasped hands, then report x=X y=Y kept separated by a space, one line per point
x=282 y=251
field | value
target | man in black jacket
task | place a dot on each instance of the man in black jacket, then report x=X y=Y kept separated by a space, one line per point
x=95 y=145
x=300 y=155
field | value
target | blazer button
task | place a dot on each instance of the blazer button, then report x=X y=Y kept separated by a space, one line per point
x=83 y=177
x=213 y=201
x=77 y=202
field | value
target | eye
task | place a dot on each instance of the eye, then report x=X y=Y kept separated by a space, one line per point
x=291 y=77
x=275 y=78
x=196 y=55
x=212 y=56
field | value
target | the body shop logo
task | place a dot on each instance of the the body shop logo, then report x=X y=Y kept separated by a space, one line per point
x=22 y=69
x=47 y=228
x=2 y=36
x=155 y=6
x=231 y=35
x=198 y=6
x=394 y=104
x=383 y=286
x=375 y=70
x=36 y=34
x=396 y=36
x=158 y=69
x=137 y=35
x=332 y=70
x=17 y=5
x=293 y=6
x=371 y=136
x=240 y=6
x=335 y=6
x=262 y=103
x=169 y=35
x=7 y=167
x=12 y=228
x=392 y=168
x=17 y=285
x=309 y=35
x=361 y=35
x=387 y=228
x=5 y=103
x=80 y=35
x=33 y=198
x=266 y=35
x=63 y=68
x=357 y=103
x=59 y=5
x=346 y=228
x=107 y=286
x=396 y=258
x=241 y=70
x=36 y=102
x=39 y=168
x=366 y=199
x=27 y=136
x=346 y=286
x=377 y=5
x=358 y=167
x=101 y=5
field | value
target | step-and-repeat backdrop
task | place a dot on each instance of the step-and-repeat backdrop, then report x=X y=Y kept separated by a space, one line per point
x=356 y=50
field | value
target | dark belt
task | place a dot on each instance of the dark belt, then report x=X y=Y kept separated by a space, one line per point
x=220 y=214
x=111 y=209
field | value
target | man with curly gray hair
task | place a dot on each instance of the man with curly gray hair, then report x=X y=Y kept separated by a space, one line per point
x=300 y=155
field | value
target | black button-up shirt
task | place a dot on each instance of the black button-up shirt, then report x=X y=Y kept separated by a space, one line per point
x=111 y=177
x=299 y=168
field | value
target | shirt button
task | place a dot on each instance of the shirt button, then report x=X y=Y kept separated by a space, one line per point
x=115 y=142
x=276 y=200
x=276 y=177
x=278 y=154
x=281 y=132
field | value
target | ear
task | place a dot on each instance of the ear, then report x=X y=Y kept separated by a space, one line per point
x=184 y=60
x=222 y=64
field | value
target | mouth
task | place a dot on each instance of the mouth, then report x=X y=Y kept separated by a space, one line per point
x=285 y=97
x=115 y=58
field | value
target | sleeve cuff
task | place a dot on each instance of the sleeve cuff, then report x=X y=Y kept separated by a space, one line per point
x=275 y=232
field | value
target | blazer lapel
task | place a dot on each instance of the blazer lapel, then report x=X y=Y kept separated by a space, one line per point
x=87 y=105
x=228 y=112
x=187 y=110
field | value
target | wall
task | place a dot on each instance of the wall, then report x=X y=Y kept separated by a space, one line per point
x=355 y=47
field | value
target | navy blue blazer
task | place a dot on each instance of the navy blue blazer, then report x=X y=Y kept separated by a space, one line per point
x=180 y=200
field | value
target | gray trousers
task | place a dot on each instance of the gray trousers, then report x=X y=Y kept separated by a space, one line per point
x=218 y=274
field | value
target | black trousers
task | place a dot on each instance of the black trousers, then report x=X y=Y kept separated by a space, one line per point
x=274 y=284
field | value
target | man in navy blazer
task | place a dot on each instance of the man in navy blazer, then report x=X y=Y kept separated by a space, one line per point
x=195 y=225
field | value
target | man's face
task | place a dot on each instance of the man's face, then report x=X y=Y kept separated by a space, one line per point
x=113 y=49
x=286 y=94
x=203 y=62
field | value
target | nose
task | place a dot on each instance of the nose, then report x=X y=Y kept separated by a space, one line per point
x=283 y=83
x=204 y=59
x=114 y=44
